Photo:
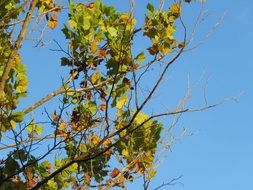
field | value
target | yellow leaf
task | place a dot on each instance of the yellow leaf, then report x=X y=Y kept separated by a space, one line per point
x=95 y=78
x=22 y=85
x=119 y=126
x=175 y=9
x=107 y=143
x=125 y=153
x=53 y=21
x=49 y=3
x=125 y=18
x=93 y=46
x=62 y=126
x=140 y=118
x=95 y=140
x=121 y=102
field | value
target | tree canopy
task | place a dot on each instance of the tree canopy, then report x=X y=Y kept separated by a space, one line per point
x=99 y=136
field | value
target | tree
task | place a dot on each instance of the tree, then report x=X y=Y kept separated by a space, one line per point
x=100 y=136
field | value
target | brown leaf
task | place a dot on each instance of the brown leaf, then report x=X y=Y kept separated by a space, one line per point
x=29 y=177
x=153 y=50
x=139 y=167
x=133 y=67
x=88 y=95
x=102 y=107
x=87 y=178
x=126 y=82
x=31 y=135
x=90 y=6
x=55 y=117
x=115 y=172
x=15 y=179
x=128 y=176
x=102 y=53
x=102 y=96
x=181 y=45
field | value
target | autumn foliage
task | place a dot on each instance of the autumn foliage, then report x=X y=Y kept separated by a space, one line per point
x=99 y=136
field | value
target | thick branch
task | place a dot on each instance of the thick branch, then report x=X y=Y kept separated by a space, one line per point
x=61 y=91
x=44 y=100
x=9 y=64
x=29 y=141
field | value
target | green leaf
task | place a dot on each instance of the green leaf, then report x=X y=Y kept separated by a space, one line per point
x=13 y=124
x=74 y=100
x=45 y=164
x=98 y=178
x=11 y=166
x=86 y=24
x=91 y=107
x=151 y=174
x=65 y=61
x=150 y=8
x=9 y=6
x=112 y=31
x=30 y=128
x=112 y=66
x=140 y=57
x=33 y=128
x=73 y=24
x=83 y=148
x=39 y=129
x=20 y=155
x=17 y=116
x=73 y=168
x=66 y=32
x=52 y=185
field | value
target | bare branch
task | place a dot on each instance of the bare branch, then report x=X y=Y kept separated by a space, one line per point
x=174 y=181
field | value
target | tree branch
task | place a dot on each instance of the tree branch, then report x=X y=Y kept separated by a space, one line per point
x=174 y=181
x=61 y=91
x=9 y=63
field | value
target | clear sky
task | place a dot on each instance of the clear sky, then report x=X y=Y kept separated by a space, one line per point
x=218 y=156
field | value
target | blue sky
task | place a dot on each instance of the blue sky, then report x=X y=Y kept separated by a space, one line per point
x=218 y=156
